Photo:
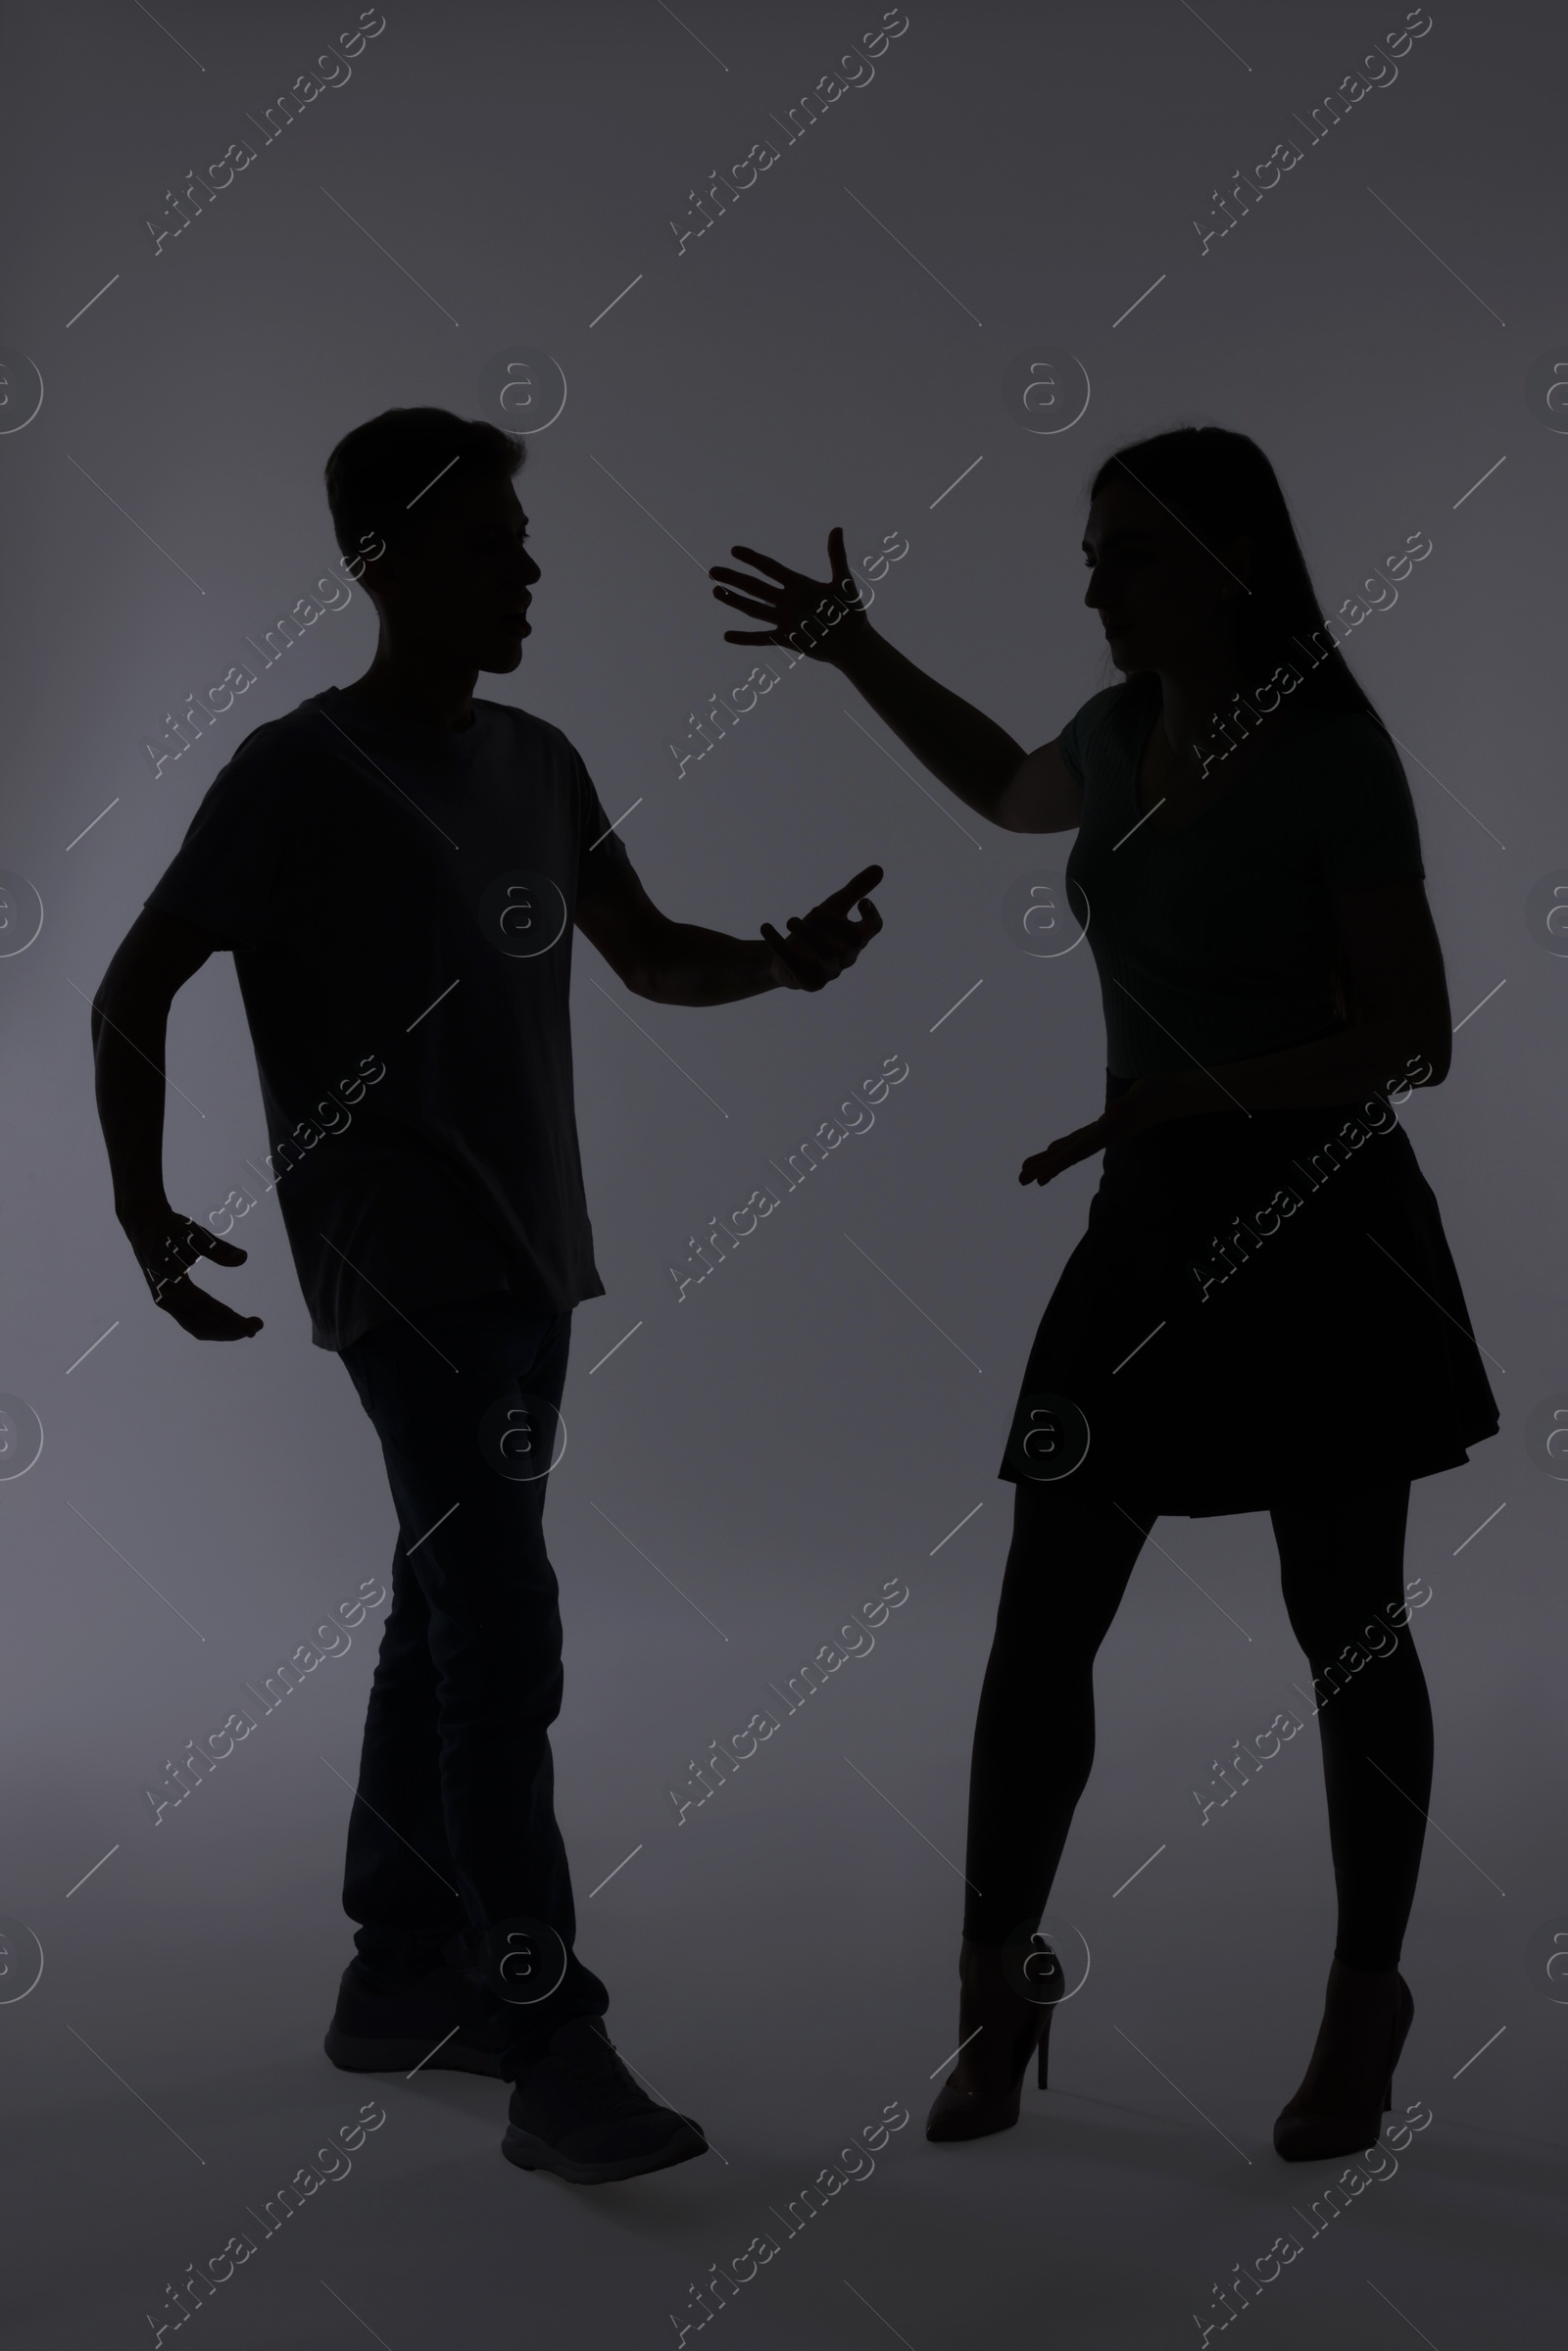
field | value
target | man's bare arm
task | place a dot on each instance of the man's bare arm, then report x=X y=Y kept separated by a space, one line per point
x=683 y=964
x=130 y=1026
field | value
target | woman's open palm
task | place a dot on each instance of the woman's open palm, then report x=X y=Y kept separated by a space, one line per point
x=788 y=600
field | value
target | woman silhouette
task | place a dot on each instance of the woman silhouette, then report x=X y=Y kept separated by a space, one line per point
x=1263 y=1312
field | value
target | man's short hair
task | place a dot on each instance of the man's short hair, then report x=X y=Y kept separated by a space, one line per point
x=377 y=475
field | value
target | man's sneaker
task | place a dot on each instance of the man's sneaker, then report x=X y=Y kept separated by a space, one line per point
x=578 y=2112
x=435 y=2022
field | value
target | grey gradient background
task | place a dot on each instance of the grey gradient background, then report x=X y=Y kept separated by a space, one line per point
x=761 y=1457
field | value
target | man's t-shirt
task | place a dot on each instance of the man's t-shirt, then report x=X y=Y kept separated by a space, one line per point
x=399 y=900
x=1215 y=943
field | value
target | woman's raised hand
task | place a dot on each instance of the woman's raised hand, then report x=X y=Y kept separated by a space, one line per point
x=819 y=618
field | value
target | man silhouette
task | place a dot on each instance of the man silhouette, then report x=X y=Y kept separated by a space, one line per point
x=396 y=870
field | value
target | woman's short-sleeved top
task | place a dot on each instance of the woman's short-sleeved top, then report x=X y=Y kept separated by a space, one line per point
x=1215 y=943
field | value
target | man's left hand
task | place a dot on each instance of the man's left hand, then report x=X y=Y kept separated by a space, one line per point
x=825 y=942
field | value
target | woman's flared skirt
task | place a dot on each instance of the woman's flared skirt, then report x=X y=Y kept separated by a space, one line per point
x=1263 y=1308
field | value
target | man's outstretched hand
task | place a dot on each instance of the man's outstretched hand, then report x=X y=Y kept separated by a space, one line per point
x=165 y=1244
x=825 y=942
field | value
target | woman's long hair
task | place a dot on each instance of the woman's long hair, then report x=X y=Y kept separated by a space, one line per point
x=1220 y=484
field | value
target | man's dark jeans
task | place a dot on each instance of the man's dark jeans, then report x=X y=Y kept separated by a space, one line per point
x=455 y=1831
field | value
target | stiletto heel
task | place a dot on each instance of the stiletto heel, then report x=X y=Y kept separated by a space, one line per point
x=1326 y=2116
x=975 y=2099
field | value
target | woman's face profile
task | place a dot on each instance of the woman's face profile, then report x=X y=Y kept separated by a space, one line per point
x=1160 y=595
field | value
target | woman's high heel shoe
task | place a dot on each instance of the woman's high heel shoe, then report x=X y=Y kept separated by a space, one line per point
x=998 y=2032
x=1349 y=2084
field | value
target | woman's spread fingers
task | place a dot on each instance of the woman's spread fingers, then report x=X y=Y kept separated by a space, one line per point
x=742 y=579
x=747 y=604
x=765 y=562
